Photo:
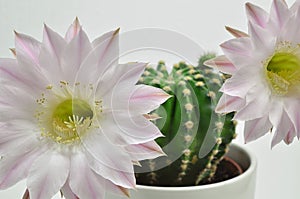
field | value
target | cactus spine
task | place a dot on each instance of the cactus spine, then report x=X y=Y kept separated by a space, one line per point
x=189 y=124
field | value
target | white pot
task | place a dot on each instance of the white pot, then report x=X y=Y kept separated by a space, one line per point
x=240 y=187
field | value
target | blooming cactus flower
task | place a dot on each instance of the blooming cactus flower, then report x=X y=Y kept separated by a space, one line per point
x=264 y=87
x=72 y=118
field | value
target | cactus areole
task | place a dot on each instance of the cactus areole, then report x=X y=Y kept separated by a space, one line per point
x=196 y=138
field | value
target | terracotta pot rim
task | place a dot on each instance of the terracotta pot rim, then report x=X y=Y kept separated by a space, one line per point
x=251 y=169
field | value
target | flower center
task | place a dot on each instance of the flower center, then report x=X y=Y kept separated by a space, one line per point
x=283 y=73
x=71 y=118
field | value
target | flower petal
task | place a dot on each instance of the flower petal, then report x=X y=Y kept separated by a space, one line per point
x=28 y=47
x=11 y=75
x=236 y=33
x=103 y=56
x=67 y=191
x=290 y=136
x=122 y=78
x=279 y=13
x=257 y=15
x=258 y=99
x=54 y=43
x=84 y=182
x=104 y=37
x=146 y=98
x=14 y=141
x=282 y=126
x=32 y=76
x=148 y=150
x=102 y=156
x=229 y=104
x=73 y=30
x=14 y=168
x=222 y=64
x=13 y=107
x=74 y=54
x=241 y=82
x=117 y=190
x=290 y=31
x=291 y=109
x=123 y=129
x=261 y=38
x=237 y=50
x=256 y=128
x=45 y=180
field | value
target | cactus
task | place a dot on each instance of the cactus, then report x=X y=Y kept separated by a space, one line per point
x=196 y=138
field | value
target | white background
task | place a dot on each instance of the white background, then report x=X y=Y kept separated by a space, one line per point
x=201 y=21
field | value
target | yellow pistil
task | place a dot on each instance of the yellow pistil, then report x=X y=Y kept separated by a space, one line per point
x=283 y=72
x=70 y=120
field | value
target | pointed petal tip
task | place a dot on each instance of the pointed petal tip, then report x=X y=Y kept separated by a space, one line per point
x=221 y=63
x=116 y=31
x=236 y=33
x=76 y=20
x=125 y=191
x=248 y=5
x=16 y=33
x=26 y=195
x=136 y=163
x=13 y=50
x=209 y=63
x=76 y=23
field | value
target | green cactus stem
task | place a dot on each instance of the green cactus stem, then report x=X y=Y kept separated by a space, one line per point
x=196 y=138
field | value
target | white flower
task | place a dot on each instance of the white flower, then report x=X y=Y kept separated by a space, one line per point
x=72 y=117
x=264 y=89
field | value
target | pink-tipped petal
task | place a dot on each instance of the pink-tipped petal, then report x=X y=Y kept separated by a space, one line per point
x=73 y=30
x=104 y=155
x=236 y=33
x=83 y=181
x=14 y=168
x=290 y=136
x=22 y=108
x=33 y=76
x=222 y=64
x=78 y=49
x=295 y=7
x=122 y=79
x=279 y=14
x=147 y=98
x=117 y=177
x=104 y=37
x=293 y=113
x=28 y=47
x=237 y=50
x=67 y=192
x=290 y=31
x=240 y=83
x=16 y=141
x=260 y=37
x=256 y=128
x=103 y=57
x=257 y=15
x=260 y=103
x=117 y=190
x=124 y=129
x=229 y=104
x=26 y=195
x=9 y=69
x=47 y=175
x=282 y=126
x=54 y=43
x=13 y=51
x=148 y=150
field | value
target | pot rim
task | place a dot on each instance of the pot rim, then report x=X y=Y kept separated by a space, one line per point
x=247 y=173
